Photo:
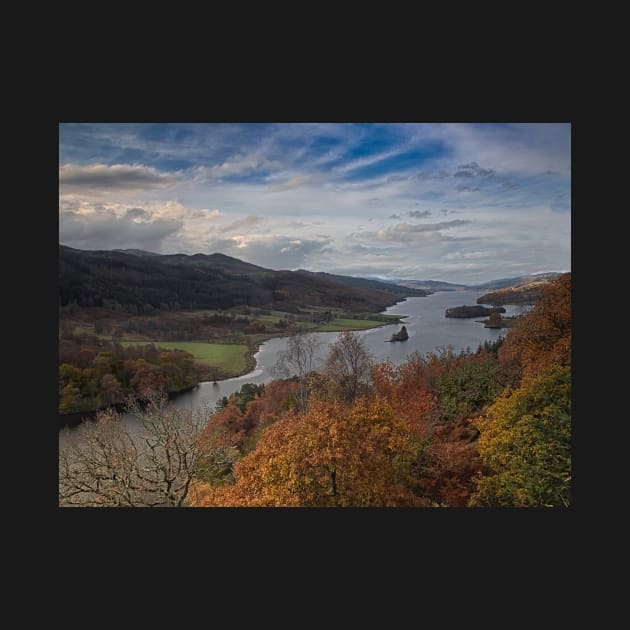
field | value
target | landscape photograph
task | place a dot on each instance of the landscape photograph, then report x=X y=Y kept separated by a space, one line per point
x=314 y=315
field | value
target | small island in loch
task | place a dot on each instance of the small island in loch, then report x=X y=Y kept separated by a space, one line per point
x=496 y=321
x=472 y=311
x=401 y=335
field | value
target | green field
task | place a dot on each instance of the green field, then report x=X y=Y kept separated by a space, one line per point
x=220 y=360
x=340 y=324
x=230 y=358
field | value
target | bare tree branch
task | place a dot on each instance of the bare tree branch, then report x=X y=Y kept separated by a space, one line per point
x=299 y=359
x=348 y=365
x=105 y=465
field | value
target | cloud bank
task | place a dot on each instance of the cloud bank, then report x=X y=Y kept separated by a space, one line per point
x=361 y=199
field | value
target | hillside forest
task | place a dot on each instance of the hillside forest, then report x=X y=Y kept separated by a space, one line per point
x=484 y=428
x=130 y=324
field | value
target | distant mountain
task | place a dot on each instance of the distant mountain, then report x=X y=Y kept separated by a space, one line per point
x=218 y=261
x=432 y=285
x=366 y=283
x=385 y=280
x=523 y=291
x=438 y=285
x=136 y=252
x=214 y=261
x=140 y=283
x=503 y=283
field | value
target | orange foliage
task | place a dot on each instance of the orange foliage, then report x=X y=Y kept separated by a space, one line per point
x=393 y=448
x=228 y=424
x=451 y=459
x=201 y=494
x=542 y=337
x=453 y=463
x=406 y=388
x=233 y=426
x=331 y=456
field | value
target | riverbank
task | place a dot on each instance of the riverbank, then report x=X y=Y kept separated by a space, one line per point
x=249 y=346
x=343 y=325
x=222 y=361
x=429 y=332
x=76 y=418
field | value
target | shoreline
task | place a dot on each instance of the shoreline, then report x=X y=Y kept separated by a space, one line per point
x=75 y=418
x=250 y=355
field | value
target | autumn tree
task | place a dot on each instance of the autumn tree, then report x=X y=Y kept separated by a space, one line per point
x=406 y=388
x=541 y=337
x=105 y=464
x=348 y=366
x=93 y=372
x=331 y=456
x=69 y=384
x=111 y=389
x=229 y=421
x=239 y=418
x=526 y=443
x=68 y=398
x=449 y=461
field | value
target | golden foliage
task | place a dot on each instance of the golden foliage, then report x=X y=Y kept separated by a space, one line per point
x=526 y=442
x=332 y=456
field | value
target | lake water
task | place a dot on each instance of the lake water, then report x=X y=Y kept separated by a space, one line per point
x=428 y=331
x=427 y=327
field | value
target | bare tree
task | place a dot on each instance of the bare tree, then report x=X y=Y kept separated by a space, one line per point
x=107 y=465
x=348 y=365
x=299 y=359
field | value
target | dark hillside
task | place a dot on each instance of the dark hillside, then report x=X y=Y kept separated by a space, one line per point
x=140 y=284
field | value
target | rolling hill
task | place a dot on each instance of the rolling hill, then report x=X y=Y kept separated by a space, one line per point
x=432 y=285
x=365 y=283
x=504 y=283
x=526 y=290
x=140 y=282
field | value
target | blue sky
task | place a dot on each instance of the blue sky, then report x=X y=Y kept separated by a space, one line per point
x=457 y=202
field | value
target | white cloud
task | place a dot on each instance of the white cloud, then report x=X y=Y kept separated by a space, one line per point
x=294 y=182
x=271 y=251
x=483 y=255
x=407 y=232
x=105 y=229
x=247 y=223
x=237 y=165
x=281 y=196
x=112 y=178
x=524 y=148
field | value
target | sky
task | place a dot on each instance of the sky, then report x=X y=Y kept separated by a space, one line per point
x=456 y=202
